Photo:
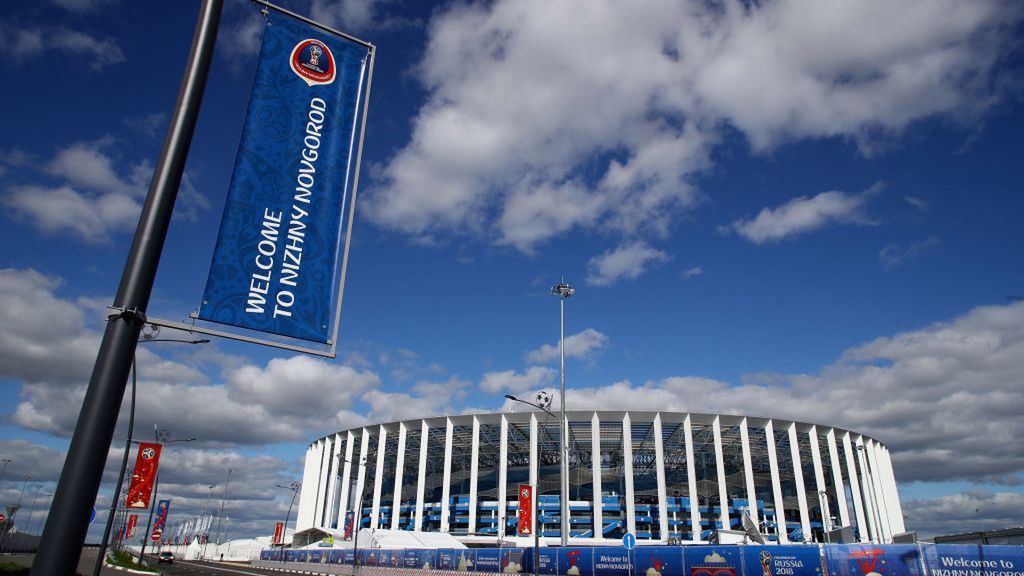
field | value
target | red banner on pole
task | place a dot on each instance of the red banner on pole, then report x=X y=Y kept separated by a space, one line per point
x=130 y=530
x=141 y=488
x=525 y=526
x=279 y=533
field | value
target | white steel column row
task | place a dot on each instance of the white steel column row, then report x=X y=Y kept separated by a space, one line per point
x=876 y=509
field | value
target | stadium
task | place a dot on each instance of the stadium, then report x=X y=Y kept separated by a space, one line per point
x=665 y=477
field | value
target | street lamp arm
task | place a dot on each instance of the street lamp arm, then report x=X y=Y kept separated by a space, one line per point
x=537 y=406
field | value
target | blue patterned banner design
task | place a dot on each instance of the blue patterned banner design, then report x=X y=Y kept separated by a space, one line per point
x=275 y=265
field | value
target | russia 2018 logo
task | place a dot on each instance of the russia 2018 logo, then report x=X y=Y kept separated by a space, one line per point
x=312 y=60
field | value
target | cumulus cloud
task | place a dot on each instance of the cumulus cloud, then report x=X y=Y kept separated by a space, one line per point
x=545 y=118
x=802 y=215
x=511 y=381
x=98 y=196
x=24 y=43
x=579 y=345
x=895 y=255
x=625 y=262
x=944 y=398
x=31 y=314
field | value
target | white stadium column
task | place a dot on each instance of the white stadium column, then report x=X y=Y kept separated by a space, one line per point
x=890 y=486
x=659 y=460
x=778 y=503
x=446 y=486
x=595 y=462
x=399 y=474
x=321 y=487
x=865 y=488
x=474 y=474
x=307 y=500
x=837 y=478
x=851 y=473
x=748 y=474
x=885 y=531
x=502 y=478
x=691 y=481
x=364 y=450
x=346 y=479
x=332 y=482
x=627 y=461
x=723 y=494
x=819 y=476
x=378 y=477
x=421 y=477
x=798 y=477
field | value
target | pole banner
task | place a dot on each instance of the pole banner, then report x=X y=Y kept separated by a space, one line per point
x=141 y=488
x=276 y=264
x=132 y=521
x=279 y=533
x=160 y=523
x=525 y=510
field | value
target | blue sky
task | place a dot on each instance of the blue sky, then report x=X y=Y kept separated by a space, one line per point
x=798 y=209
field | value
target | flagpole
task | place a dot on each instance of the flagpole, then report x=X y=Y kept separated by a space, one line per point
x=61 y=542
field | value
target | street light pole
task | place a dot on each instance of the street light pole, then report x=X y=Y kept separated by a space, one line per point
x=220 y=516
x=294 y=487
x=535 y=514
x=563 y=291
x=128 y=448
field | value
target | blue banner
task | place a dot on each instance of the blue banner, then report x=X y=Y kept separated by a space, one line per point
x=276 y=263
x=865 y=559
x=612 y=561
x=974 y=560
x=713 y=561
x=781 y=561
x=657 y=560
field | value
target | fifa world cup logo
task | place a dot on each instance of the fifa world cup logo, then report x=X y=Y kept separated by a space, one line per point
x=766 y=563
x=314 y=55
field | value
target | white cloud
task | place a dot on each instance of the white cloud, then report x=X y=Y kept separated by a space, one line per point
x=512 y=381
x=24 y=43
x=945 y=398
x=296 y=387
x=545 y=118
x=32 y=314
x=91 y=218
x=349 y=15
x=628 y=261
x=692 y=272
x=94 y=202
x=580 y=345
x=802 y=215
x=894 y=255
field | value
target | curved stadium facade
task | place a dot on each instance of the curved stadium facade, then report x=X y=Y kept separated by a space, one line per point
x=662 y=476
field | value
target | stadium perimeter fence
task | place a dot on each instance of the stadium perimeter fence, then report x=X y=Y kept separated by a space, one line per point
x=699 y=560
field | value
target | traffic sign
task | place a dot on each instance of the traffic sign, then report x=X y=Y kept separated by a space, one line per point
x=2 y=517
x=157 y=534
x=629 y=541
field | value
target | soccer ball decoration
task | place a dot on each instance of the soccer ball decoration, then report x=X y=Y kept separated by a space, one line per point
x=544 y=398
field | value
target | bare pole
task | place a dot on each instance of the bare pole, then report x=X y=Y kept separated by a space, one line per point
x=66 y=527
x=563 y=291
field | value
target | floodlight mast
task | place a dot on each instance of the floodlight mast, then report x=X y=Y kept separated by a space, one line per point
x=563 y=291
